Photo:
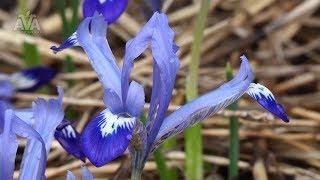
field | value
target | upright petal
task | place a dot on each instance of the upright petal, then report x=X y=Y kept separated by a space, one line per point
x=106 y=137
x=110 y=9
x=31 y=79
x=99 y=53
x=206 y=105
x=160 y=36
x=9 y=146
x=266 y=99
x=69 y=139
x=47 y=115
x=112 y=101
x=68 y=43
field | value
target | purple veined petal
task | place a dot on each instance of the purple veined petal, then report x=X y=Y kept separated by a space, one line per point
x=69 y=139
x=48 y=115
x=24 y=130
x=89 y=7
x=9 y=146
x=266 y=99
x=70 y=176
x=63 y=124
x=112 y=101
x=26 y=115
x=99 y=55
x=159 y=35
x=206 y=105
x=86 y=174
x=135 y=100
x=6 y=89
x=32 y=79
x=106 y=137
x=68 y=43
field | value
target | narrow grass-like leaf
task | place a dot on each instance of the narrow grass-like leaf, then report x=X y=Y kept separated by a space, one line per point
x=234 y=135
x=193 y=142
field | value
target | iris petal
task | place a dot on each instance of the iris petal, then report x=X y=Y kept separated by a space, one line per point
x=70 y=176
x=9 y=146
x=86 y=174
x=106 y=137
x=47 y=115
x=69 y=139
x=99 y=55
x=68 y=43
x=135 y=100
x=206 y=105
x=266 y=99
x=110 y=9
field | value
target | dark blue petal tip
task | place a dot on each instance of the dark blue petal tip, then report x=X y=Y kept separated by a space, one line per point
x=68 y=43
x=266 y=99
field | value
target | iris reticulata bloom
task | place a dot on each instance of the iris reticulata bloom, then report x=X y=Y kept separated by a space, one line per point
x=27 y=80
x=109 y=134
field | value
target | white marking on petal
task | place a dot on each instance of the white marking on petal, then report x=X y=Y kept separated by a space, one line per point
x=102 y=1
x=21 y=81
x=69 y=132
x=110 y=123
x=256 y=90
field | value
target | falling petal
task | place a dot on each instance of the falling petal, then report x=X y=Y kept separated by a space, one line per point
x=106 y=137
x=68 y=43
x=206 y=105
x=69 y=139
x=266 y=99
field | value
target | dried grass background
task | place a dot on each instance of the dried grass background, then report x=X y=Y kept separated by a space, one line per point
x=281 y=39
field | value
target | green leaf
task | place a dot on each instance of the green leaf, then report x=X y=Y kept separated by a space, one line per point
x=193 y=139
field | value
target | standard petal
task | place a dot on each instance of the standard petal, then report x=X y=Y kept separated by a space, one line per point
x=135 y=99
x=157 y=34
x=32 y=79
x=68 y=43
x=206 y=105
x=6 y=89
x=266 y=99
x=9 y=146
x=48 y=115
x=106 y=137
x=99 y=53
x=69 y=139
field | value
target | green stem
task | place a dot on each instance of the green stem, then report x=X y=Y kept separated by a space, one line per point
x=234 y=136
x=193 y=143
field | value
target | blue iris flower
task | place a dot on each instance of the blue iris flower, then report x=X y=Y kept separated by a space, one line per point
x=27 y=80
x=111 y=10
x=109 y=134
